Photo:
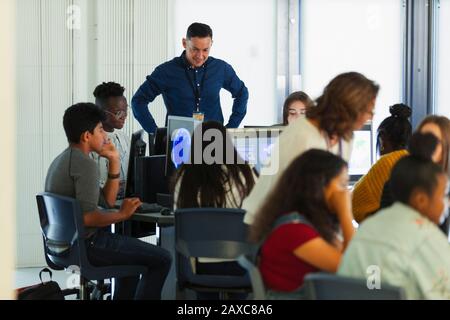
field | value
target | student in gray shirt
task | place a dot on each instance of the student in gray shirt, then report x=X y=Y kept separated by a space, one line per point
x=74 y=174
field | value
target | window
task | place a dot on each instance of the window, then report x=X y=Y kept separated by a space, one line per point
x=353 y=35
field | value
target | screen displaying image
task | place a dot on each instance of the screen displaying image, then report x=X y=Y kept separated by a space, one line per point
x=361 y=159
x=254 y=145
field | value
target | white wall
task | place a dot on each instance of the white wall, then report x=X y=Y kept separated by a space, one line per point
x=244 y=35
x=117 y=40
x=44 y=78
x=7 y=146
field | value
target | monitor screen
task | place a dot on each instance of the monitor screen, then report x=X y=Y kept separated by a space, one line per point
x=255 y=145
x=362 y=153
x=137 y=149
x=179 y=132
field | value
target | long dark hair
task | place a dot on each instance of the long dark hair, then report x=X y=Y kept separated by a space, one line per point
x=444 y=125
x=295 y=96
x=301 y=189
x=343 y=100
x=206 y=185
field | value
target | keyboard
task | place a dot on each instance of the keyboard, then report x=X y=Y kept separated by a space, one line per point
x=143 y=208
x=148 y=208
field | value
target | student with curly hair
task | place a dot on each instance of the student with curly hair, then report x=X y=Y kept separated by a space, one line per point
x=109 y=97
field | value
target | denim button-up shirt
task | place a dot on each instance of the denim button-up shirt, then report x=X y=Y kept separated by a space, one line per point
x=177 y=81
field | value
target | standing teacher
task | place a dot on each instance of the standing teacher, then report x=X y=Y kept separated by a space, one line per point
x=190 y=84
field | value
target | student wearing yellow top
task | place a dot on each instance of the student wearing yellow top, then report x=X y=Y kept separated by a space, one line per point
x=392 y=138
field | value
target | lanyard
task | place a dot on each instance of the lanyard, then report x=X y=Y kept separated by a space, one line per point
x=196 y=89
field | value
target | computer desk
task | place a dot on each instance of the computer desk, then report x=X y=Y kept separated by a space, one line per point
x=165 y=239
x=155 y=217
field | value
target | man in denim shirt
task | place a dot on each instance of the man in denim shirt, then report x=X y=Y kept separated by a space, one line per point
x=191 y=84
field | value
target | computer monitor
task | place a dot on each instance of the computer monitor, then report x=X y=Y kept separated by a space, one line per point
x=160 y=141
x=137 y=149
x=255 y=145
x=150 y=177
x=179 y=133
x=362 y=153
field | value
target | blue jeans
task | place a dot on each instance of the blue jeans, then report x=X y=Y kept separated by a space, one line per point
x=109 y=249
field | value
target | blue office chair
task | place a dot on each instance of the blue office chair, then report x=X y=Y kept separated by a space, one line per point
x=249 y=264
x=62 y=227
x=325 y=286
x=211 y=233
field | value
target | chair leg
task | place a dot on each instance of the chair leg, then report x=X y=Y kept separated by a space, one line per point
x=84 y=293
x=100 y=290
x=180 y=293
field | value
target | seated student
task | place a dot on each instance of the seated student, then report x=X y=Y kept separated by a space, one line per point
x=300 y=219
x=109 y=97
x=346 y=104
x=219 y=185
x=393 y=135
x=403 y=241
x=439 y=126
x=295 y=105
x=74 y=174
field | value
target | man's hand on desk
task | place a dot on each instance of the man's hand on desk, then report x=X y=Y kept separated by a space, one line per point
x=129 y=206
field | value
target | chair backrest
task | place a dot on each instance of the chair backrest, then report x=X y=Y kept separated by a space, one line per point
x=211 y=233
x=259 y=290
x=62 y=227
x=324 y=286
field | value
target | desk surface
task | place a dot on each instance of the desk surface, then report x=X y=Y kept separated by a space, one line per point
x=161 y=220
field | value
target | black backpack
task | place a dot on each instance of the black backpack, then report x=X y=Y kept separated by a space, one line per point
x=43 y=291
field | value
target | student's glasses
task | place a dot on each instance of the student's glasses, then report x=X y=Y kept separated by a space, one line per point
x=121 y=114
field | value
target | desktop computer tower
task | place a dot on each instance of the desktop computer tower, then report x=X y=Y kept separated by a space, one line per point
x=150 y=177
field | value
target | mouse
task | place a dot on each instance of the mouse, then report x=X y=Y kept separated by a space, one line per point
x=165 y=212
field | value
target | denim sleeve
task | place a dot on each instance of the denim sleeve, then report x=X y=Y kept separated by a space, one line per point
x=239 y=92
x=147 y=92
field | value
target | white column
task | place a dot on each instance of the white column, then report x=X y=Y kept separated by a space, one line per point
x=7 y=147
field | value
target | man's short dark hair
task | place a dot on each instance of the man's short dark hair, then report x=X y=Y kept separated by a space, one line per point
x=81 y=117
x=199 y=30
